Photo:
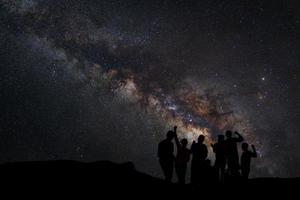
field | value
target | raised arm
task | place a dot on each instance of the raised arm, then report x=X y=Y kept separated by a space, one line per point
x=239 y=138
x=254 y=154
x=176 y=137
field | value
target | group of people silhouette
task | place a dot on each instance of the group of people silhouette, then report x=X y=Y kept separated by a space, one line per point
x=227 y=162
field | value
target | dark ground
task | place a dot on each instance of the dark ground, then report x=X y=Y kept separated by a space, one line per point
x=105 y=178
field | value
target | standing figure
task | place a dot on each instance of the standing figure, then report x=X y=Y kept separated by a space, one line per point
x=246 y=159
x=232 y=155
x=182 y=158
x=166 y=156
x=199 y=152
x=220 y=162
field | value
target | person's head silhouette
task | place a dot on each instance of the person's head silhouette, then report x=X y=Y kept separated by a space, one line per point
x=221 y=138
x=170 y=135
x=201 y=139
x=245 y=146
x=184 y=142
x=228 y=134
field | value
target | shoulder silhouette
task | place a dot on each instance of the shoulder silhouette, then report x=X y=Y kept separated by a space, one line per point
x=182 y=158
x=199 y=153
x=232 y=155
x=246 y=159
x=220 y=162
x=166 y=155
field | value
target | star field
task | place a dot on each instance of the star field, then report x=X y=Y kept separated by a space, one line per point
x=95 y=80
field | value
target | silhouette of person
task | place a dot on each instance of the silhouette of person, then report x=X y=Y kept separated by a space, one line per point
x=246 y=159
x=166 y=157
x=208 y=175
x=232 y=155
x=220 y=162
x=199 y=152
x=182 y=158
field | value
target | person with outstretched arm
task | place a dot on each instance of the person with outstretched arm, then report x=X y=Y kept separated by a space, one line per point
x=232 y=155
x=246 y=159
x=182 y=157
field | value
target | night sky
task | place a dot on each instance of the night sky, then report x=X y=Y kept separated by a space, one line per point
x=105 y=80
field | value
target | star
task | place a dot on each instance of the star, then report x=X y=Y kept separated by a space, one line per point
x=121 y=71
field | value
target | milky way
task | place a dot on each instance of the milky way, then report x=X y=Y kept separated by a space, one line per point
x=111 y=78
